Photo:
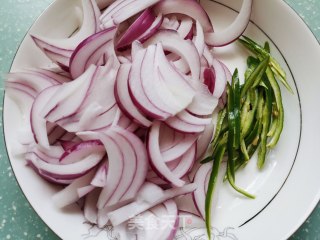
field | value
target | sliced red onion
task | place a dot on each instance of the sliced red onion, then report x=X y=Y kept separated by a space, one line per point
x=115 y=168
x=171 y=229
x=102 y=4
x=69 y=194
x=22 y=88
x=152 y=29
x=123 y=96
x=100 y=56
x=31 y=79
x=69 y=171
x=186 y=162
x=142 y=163
x=167 y=137
x=157 y=89
x=120 y=120
x=98 y=109
x=132 y=127
x=170 y=23
x=155 y=92
x=180 y=167
x=199 y=194
x=38 y=123
x=157 y=180
x=50 y=156
x=92 y=119
x=156 y=158
x=185 y=27
x=69 y=97
x=203 y=103
x=227 y=72
x=153 y=177
x=80 y=150
x=53 y=74
x=56 y=54
x=190 y=8
x=113 y=8
x=172 y=42
x=126 y=168
x=70 y=137
x=144 y=201
x=208 y=56
x=204 y=140
x=234 y=30
x=179 y=85
x=220 y=78
x=182 y=126
x=79 y=60
x=192 y=119
x=136 y=89
x=67 y=144
x=129 y=9
x=103 y=218
x=64 y=47
x=103 y=119
x=61 y=60
x=129 y=170
x=49 y=177
x=209 y=78
x=56 y=133
x=199 y=39
x=95 y=117
x=137 y=28
x=163 y=216
x=83 y=191
x=179 y=149
x=100 y=177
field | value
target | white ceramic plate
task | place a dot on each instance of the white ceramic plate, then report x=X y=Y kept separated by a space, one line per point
x=287 y=189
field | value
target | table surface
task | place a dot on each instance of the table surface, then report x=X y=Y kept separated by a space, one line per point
x=17 y=219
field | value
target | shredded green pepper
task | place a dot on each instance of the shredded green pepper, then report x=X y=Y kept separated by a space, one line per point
x=261 y=52
x=211 y=186
x=251 y=121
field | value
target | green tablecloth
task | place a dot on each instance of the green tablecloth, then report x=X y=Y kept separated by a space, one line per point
x=17 y=219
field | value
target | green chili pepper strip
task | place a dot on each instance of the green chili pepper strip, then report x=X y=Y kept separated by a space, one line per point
x=267 y=47
x=236 y=108
x=280 y=119
x=223 y=141
x=211 y=186
x=241 y=163
x=245 y=109
x=273 y=127
x=266 y=118
x=244 y=150
x=247 y=117
x=261 y=52
x=221 y=116
x=255 y=77
x=231 y=126
x=252 y=63
x=253 y=136
x=254 y=133
x=239 y=190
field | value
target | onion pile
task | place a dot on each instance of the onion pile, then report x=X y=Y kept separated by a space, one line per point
x=126 y=113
